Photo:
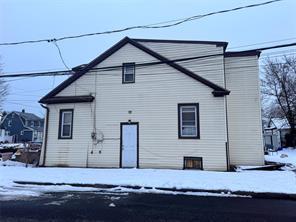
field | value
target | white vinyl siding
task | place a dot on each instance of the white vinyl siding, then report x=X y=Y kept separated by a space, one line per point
x=244 y=113
x=153 y=100
x=211 y=68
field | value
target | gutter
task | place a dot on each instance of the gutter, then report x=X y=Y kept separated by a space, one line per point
x=45 y=134
x=226 y=120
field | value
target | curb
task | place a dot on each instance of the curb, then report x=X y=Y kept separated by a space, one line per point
x=261 y=195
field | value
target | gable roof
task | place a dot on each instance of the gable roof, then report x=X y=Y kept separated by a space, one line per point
x=279 y=123
x=218 y=90
x=28 y=116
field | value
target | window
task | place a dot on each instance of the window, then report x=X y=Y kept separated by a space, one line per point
x=66 y=124
x=188 y=116
x=9 y=122
x=22 y=133
x=193 y=163
x=32 y=123
x=128 y=72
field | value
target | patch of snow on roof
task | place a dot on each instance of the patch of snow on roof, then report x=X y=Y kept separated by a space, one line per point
x=281 y=123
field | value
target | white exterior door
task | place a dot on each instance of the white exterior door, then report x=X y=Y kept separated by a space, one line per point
x=129 y=145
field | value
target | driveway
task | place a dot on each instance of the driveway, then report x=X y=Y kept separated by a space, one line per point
x=96 y=206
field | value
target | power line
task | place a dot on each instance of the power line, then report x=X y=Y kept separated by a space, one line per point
x=261 y=43
x=110 y=68
x=60 y=54
x=151 y=26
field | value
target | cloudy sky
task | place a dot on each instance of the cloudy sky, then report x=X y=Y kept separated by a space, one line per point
x=35 y=19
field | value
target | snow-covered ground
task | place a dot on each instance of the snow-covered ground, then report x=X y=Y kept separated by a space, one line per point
x=13 y=163
x=249 y=181
x=11 y=145
x=286 y=156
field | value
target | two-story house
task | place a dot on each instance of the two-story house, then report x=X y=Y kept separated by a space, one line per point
x=23 y=126
x=157 y=104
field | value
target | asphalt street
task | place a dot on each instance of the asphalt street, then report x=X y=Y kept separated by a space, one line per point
x=96 y=206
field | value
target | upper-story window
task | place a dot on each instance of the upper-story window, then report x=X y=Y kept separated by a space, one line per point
x=128 y=72
x=188 y=121
x=32 y=123
x=66 y=124
x=9 y=122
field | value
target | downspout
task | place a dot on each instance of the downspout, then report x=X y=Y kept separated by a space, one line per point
x=45 y=134
x=226 y=119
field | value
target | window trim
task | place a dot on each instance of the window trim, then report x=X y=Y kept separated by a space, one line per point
x=123 y=75
x=196 y=105
x=60 y=124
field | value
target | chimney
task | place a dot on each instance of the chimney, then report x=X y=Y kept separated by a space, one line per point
x=23 y=110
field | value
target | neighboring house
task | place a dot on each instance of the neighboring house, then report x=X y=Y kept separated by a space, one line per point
x=4 y=137
x=147 y=111
x=275 y=133
x=23 y=127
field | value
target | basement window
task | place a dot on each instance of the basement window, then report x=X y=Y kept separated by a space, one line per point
x=66 y=124
x=128 y=72
x=193 y=163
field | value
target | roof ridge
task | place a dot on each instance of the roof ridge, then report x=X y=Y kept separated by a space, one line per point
x=218 y=43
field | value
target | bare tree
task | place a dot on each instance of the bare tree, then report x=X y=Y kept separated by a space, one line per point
x=279 y=88
x=3 y=89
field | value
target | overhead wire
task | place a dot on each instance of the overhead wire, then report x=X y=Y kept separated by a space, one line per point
x=151 y=26
x=115 y=67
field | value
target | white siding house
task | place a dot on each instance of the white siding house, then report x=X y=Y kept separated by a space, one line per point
x=141 y=104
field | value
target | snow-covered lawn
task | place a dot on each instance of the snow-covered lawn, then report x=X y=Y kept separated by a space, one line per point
x=286 y=156
x=249 y=181
x=11 y=145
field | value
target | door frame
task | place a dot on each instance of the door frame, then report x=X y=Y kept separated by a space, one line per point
x=120 y=146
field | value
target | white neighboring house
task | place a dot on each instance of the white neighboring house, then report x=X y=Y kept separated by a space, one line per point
x=275 y=132
x=4 y=137
x=148 y=111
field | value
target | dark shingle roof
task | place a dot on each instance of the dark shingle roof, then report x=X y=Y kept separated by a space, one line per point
x=28 y=116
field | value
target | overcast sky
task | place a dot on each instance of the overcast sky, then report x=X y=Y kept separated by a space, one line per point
x=35 y=19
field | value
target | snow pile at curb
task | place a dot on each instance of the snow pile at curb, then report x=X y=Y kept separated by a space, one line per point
x=248 y=181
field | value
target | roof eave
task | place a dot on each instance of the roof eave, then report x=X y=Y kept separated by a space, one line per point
x=67 y=99
x=243 y=53
x=217 y=43
x=220 y=93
